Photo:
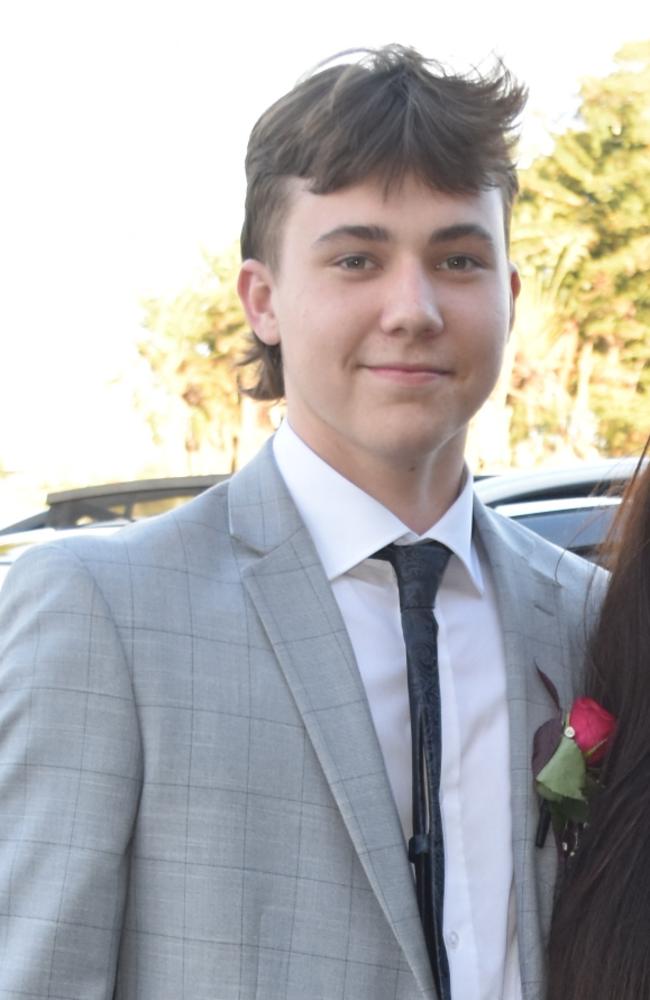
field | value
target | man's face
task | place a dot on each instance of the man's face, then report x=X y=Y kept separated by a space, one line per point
x=392 y=312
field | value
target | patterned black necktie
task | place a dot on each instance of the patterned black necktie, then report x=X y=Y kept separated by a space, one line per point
x=419 y=569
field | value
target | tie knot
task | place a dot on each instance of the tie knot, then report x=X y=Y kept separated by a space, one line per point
x=419 y=570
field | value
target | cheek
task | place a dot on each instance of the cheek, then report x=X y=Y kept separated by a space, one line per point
x=491 y=353
x=483 y=359
x=491 y=336
x=307 y=356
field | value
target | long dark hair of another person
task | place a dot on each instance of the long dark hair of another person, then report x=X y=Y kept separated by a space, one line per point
x=600 y=936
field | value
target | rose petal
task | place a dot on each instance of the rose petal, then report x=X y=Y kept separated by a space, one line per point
x=594 y=726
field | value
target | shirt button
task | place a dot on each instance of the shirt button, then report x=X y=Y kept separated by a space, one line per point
x=454 y=940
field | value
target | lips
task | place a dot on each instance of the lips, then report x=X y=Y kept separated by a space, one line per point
x=400 y=366
x=407 y=373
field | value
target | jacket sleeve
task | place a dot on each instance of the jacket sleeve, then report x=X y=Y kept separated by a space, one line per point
x=70 y=776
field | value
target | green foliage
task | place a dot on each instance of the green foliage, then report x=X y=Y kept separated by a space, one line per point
x=192 y=346
x=583 y=244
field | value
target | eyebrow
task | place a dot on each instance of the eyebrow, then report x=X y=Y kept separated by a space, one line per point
x=373 y=234
x=462 y=229
x=377 y=234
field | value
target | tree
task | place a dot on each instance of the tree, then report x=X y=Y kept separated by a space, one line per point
x=581 y=372
x=193 y=343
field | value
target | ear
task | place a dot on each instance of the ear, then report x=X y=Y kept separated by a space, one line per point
x=515 y=288
x=255 y=288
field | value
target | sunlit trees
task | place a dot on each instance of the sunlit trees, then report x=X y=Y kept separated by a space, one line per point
x=581 y=375
x=192 y=345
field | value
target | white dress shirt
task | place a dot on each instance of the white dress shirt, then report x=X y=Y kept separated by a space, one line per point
x=347 y=527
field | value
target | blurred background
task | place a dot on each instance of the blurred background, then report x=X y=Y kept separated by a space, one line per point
x=123 y=129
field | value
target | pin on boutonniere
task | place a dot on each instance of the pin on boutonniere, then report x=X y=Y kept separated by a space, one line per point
x=567 y=753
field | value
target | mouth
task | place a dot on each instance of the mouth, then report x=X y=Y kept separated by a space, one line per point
x=409 y=374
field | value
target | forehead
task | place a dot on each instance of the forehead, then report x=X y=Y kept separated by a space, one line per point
x=408 y=210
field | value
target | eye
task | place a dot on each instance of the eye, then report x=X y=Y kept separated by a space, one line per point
x=459 y=262
x=355 y=262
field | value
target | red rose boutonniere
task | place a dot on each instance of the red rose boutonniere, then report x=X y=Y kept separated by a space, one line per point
x=567 y=752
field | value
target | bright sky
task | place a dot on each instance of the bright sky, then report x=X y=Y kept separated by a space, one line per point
x=123 y=130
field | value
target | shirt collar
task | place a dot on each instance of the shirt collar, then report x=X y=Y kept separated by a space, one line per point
x=348 y=526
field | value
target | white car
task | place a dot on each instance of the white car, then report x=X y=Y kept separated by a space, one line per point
x=573 y=507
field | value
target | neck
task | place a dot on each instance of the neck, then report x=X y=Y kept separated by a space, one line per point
x=418 y=493
x=417 y=504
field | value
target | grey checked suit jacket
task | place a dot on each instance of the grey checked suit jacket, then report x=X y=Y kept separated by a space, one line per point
x=193 y=801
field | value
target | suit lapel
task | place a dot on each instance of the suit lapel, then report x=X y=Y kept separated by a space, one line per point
x=286 y=584
x=530 y=607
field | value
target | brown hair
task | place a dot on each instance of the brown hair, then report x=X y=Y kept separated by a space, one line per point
x=599 y=935
x=393 y=113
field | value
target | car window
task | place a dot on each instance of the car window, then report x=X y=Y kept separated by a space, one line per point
x=581 y=529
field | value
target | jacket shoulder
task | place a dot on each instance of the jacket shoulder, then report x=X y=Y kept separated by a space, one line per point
x=566 y=568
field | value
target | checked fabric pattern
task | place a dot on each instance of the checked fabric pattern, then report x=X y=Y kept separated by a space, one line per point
x=194 y=804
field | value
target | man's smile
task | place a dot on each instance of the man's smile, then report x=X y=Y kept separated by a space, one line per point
x=408 y=374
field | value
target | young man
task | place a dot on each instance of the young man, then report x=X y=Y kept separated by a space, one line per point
x=205 y=733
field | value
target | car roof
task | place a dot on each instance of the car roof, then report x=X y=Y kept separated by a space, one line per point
x=111 y=502
x=605 y=477
x=191 y=484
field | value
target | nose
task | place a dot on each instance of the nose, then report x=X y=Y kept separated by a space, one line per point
x=410 y=305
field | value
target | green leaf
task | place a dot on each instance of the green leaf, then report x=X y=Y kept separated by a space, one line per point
x=565 y=774
x=568 y=811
